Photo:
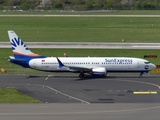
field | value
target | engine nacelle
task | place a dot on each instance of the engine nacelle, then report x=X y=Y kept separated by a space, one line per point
x=99 y=72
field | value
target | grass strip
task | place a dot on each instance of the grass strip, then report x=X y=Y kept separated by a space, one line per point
x=81 y=29
x=10 y=95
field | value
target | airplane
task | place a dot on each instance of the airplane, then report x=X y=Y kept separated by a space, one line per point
x=95 y=66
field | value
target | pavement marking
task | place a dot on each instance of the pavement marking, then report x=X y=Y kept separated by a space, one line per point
x=145 y=93
x=109 y=90
x=141 y=92
x=136 y=92
x=83 y=101
x=153 y=84
x=118 y=90
x=125 y=90
x=47 y=77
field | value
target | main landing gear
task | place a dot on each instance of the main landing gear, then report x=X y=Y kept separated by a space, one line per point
x=81 y=75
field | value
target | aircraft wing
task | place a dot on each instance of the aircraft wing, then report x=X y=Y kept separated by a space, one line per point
x=78 y=68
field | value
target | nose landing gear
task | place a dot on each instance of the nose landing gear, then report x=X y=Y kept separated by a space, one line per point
x=141 y=74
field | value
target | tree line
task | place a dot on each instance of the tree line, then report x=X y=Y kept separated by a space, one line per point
x=22 y=4
x=82 y=4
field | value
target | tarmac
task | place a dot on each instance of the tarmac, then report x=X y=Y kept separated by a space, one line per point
x=66 y=96
x=52 y=15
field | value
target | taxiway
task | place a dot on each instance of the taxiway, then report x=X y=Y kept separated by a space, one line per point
x=65 y=96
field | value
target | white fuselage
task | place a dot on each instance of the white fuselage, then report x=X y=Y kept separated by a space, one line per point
x=111 y=64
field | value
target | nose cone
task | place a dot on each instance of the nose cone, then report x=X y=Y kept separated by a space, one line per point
x=153 y=66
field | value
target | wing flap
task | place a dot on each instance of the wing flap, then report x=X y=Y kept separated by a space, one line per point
x=79 y=68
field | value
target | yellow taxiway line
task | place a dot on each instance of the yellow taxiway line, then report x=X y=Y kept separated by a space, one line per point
x=145 y=93
x=47 y=77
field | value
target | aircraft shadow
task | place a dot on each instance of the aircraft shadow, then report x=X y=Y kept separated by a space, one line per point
x=89 y=77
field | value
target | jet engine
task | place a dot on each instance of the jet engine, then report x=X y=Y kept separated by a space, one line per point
x=99 y=72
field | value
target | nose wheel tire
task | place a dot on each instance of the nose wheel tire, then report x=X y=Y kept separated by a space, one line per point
x=141 y=74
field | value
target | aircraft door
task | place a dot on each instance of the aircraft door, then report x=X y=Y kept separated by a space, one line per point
x=34 y=64
x=138 y=64
x=129 y=66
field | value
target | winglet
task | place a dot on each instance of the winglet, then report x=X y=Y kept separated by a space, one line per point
x=60 y=63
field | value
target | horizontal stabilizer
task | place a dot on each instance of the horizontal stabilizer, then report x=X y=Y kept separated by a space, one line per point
x=13 y=59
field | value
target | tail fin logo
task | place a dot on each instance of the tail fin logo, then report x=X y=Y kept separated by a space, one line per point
x=18 y=43
x=20 y=50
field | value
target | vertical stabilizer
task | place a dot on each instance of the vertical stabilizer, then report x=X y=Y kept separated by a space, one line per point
x=19 y=48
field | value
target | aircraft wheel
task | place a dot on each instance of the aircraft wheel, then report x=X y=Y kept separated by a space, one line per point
x=81 y=75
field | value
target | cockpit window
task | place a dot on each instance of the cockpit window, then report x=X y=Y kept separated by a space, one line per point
x=146 y=62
